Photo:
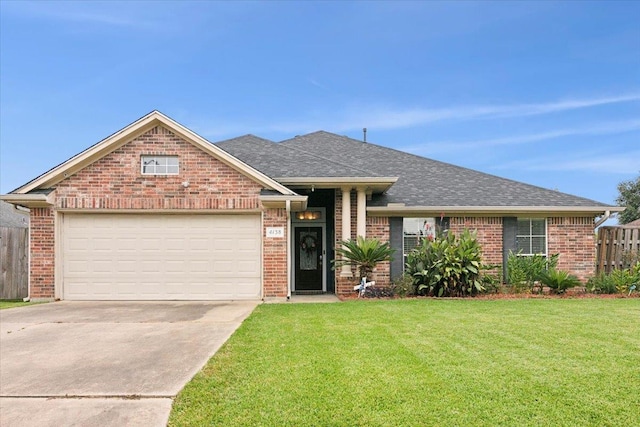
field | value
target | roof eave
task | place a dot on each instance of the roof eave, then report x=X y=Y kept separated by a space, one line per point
x=401 y=210
x=297 y=203
x=373 y=184
x=29 y=200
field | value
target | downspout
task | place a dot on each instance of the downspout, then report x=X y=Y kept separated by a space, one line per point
x=288 y=250
x=607 y=215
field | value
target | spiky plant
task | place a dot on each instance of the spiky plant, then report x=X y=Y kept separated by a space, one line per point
x=364 y=253
x=558 y=280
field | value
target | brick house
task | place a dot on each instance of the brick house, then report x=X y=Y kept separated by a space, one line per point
x=156 y=212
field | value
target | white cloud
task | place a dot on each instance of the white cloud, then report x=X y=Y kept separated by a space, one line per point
x=603 y=163
x=598 y=129
x=93 y=13
x=384 y=118
x=393 y=119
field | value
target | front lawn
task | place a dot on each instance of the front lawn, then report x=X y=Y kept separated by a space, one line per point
x=423 y=362
x=14 y=303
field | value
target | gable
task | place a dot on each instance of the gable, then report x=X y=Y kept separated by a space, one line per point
x=116 y=180
x=132 y=131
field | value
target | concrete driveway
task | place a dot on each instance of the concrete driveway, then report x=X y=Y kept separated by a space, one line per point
x=106 y=363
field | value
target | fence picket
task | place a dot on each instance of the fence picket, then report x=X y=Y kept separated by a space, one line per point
x=614 y=244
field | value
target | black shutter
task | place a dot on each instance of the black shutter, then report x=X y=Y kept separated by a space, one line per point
x=396 y=236
x=509 y=231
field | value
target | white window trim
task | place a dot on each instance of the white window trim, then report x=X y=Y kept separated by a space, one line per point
x=546 y=237
x=148 y=157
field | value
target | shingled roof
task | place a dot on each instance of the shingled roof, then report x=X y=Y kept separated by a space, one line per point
x=422 y=181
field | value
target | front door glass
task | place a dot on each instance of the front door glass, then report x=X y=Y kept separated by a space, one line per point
x=308 y=252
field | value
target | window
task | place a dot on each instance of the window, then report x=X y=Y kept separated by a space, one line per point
x=531 y=237
x=159 y=165
x=416 y=229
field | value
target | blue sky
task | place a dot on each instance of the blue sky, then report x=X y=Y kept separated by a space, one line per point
x=546 y=93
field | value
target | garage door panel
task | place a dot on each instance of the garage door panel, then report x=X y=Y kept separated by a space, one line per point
x=179 y=257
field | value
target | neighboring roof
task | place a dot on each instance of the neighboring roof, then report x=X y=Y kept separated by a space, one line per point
x=632 y=224
x=11 y=217
x=123 y=136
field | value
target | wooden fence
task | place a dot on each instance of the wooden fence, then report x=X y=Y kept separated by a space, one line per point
x=617 y=247
x=14 y=278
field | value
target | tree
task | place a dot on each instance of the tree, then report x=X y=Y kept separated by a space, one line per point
x=629 y=197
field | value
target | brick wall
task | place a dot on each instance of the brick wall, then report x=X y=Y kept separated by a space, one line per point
x=574 y=239
x=378 y=228
x=274 y=255
x=489 y=232
x=116 y=182
x=42 y=260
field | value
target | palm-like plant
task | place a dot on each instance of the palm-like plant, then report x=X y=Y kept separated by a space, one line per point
x=365 y=253
x=558 y=280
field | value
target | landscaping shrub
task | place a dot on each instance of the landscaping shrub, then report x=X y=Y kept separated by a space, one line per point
x=403 y=286
x=618 y=281
x=447 y=266
x=601 y=284
x=491 y=278
x=524 y=271
x=364 y=253
x=558 y=280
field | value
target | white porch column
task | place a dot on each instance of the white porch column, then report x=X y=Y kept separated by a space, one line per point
x=362 y=212
x=346 y=225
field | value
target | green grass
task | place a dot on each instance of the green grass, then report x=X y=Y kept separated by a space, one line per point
x=14 y=303
x=532 y=362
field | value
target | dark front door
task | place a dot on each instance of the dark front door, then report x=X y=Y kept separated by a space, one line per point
x=308 y=250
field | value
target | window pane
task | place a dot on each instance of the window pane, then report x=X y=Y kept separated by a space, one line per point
x=537 y=227
x=523 y=245
x=160 y=165
x=524 y=227
x=416 y=229
x=538 y=245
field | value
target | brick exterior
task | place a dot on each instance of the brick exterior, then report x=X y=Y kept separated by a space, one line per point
x=115 y=182
x=42 y=251
x=574 y=239
x=274 y=255
x=489 y=232
x=378 y=228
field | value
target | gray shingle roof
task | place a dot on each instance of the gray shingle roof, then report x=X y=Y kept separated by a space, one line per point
x=422 y=181
x=279 y=161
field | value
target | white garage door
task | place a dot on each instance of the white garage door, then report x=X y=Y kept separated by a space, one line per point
x=161 y=257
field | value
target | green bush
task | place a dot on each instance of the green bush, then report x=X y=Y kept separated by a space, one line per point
x=558 y=280
x=601 y=284
x=524 y=271
x=403 y=286
x=618 y=281
x=491 y=278
x=447 y=266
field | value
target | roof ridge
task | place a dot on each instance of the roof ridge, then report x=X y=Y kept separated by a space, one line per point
x=250 y=135
x=322 y=157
